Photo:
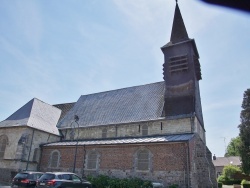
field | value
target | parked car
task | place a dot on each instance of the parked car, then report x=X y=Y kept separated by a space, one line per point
x=61 y=180
x=25 y=179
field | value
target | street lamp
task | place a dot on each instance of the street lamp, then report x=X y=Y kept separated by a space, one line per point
x=76 y=119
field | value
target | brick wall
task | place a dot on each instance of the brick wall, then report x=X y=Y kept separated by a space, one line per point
x=169 y=161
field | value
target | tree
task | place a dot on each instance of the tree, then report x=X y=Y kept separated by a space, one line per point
x=233 y=148
x=245 y=132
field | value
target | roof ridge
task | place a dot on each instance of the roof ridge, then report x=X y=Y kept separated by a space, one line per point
x=123 y=88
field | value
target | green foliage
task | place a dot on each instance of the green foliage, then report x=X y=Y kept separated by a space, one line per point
x=245 y=132
x=245 y=182
x=220 y=184
x=221 y=178
x=230 y=170
x=227 y=175
x=233 y=148
x=103 y=181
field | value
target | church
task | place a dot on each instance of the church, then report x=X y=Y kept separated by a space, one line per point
x=153 y=131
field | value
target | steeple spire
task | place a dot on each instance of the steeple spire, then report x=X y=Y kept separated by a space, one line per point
x=179 y=32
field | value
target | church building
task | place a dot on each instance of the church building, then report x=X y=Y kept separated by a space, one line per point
x=153 y=131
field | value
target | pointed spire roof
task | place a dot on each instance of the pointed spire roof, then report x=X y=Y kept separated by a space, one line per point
x=36 y=114
x=179 y=32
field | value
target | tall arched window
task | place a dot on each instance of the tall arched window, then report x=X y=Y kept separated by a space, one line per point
x=54 y=159
x=143 y=160
x=36 y=155
x=3 y=144
x=92 y=160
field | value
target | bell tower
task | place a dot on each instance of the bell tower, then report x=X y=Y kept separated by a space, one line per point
x=181 y=72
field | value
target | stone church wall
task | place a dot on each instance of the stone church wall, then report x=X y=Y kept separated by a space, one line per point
x=202 y=170
x=175 y=126
x=19 y=151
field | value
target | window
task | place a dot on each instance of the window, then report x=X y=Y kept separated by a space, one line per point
x=54 y=159
x=92 y=160
x=36 y=155
x=3 y=144
x=104 y=133
x=178 y=64
x=143 y=160
x=76 y=178
x=144 y=130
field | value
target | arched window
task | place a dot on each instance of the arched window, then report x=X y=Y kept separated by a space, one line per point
x=144 y=130
x=143 y=160
x=92 y=160
x=3 y=144
x=36 y=155
x=54 y=159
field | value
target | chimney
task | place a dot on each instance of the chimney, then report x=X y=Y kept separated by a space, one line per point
x=214 y=157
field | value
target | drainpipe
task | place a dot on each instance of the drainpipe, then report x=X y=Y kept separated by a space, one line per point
x=83 y=165
x=30 y=149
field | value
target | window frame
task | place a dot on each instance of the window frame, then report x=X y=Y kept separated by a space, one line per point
x=3 y=145
x=54 y=162
x=92 y=164
x=139 y=161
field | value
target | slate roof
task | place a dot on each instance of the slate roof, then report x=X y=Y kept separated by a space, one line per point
x=224 y=161
x=179 y=32
x=136 y=140
x=133 y=104
x=36 y=114
x=65 y=107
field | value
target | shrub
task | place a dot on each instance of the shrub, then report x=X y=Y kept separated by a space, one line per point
x=221 y=178
x=227 y=181
x=220 y=185
x=103 y=181
x=230 y=170
x=245 y=183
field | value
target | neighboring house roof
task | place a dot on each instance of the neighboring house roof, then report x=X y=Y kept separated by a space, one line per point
x=65 y=107
x=36 y=114
x=134 y=140
x=225 y=161
x=133 y=104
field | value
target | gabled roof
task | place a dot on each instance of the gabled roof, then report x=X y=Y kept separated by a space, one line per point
x=36 y=114
x=64 y=107
x=136 y=140
x=133 y=104
x=225 y=161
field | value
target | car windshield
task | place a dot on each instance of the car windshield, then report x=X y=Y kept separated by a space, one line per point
x=47 y=177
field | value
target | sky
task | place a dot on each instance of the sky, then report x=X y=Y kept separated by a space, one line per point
x=57 y=51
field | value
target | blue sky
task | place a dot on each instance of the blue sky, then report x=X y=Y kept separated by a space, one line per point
x=58 y=50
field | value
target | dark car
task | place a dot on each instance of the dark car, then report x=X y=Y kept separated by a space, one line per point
x=61 y=180
x=25 y=179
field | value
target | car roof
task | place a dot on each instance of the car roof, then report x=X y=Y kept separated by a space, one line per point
x=60 y=173
x=30 y=172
